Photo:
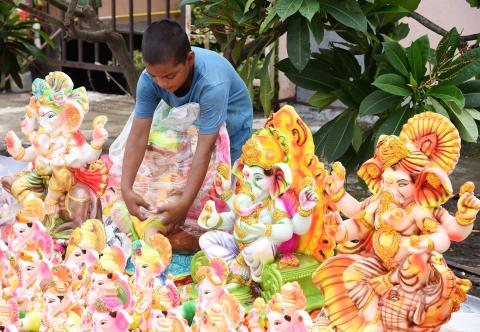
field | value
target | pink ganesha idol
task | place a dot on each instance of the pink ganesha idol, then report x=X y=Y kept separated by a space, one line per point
x=66 y=172
x=85 y=244
x=394 y=278
x=114 y=301
x=61 y=311
x=217 y=310
x=28 y=232
x=150 y=261
x=285 y=312
x=164 y=315
x=107 y=272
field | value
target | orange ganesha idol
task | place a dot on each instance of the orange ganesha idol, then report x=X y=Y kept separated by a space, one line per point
x=390 y=274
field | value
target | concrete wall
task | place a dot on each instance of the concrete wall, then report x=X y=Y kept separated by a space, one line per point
x=447 y=14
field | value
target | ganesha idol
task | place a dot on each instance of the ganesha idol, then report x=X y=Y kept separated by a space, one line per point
x=390 y=274
x=84 y=246
x=66 y=172
x=217 y=310
x=262 y=216
x=285 y=312
x=150 y=261
x=28 y=233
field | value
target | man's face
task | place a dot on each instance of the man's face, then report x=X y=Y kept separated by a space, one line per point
x=171 y=75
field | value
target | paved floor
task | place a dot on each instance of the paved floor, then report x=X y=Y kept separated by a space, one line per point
x=116 y=107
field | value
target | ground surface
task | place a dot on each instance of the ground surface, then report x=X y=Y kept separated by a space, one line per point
x=118 y=109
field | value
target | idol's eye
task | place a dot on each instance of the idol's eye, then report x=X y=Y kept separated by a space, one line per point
x=50 y=115
x=403 y=183
x=258 y=177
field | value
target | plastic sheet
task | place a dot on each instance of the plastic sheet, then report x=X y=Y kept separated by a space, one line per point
x=172 y=143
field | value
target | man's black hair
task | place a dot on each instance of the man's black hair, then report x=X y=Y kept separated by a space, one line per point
x=164 y=41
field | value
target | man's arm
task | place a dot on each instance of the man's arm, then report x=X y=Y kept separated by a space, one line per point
x=132 y=159
x=201 y=160
x=176 y=212
x=145 y=104
x=213 y=112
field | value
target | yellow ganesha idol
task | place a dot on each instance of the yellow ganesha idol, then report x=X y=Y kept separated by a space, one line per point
x=66 y=173
x=390 y=274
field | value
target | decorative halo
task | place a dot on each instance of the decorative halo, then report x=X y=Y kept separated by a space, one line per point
x=436 y=137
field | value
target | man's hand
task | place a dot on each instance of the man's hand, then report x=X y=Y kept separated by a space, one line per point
x=173 y=212
x=134 y=202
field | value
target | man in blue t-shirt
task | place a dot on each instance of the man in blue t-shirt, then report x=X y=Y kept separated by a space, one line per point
x=179 y=74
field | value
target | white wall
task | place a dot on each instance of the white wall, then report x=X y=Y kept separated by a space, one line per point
x=447 y=14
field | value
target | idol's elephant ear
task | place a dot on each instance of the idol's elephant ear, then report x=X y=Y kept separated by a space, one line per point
x=237 y=169
x=433 y=188
x=122 y=319
x=72 y=116
x=371 y=173
x=301 y=321
x=282 y=179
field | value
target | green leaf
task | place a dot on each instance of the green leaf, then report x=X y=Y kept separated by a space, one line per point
x=411 y=5
x=378 y=102
x=266 y=90
x=463 y=121
x=447 y=46
x=474 y=113
x=272 y=13
x=46 y=38
x=357 y=138
x=247 y=5
x=438 y=107
x=190 y=2
x=448 y=93
x=345 y=97
x=298 y=42
x=320 y=136
x=340 y=136
x=347 y=12
x=397 y=57
x=471 y=92
x=394 y=84
x=321 y=99
x=470 y=67
x=418 y=54
x=309 y=8
x=345 y=64
x=237 y=49
x=316 y=27
x=389 y=9
x=16 y=77
x=313 y=77
x=394 y=122
x=213 y=20
x=286 y=8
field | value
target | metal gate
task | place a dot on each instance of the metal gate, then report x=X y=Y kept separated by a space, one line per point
x=128 y=17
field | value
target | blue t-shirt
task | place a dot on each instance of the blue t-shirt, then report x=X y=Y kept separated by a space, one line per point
x=217 y=88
